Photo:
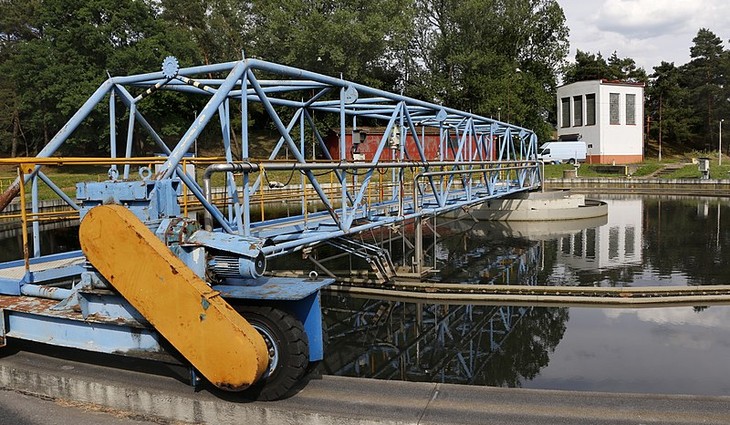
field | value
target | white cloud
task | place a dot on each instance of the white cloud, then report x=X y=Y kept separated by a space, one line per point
x=644 y=19
x=648 y=31
x=717 y=318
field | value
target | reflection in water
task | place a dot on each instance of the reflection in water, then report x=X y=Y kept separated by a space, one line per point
x=616 y=244
x=481 y=254
x=54 y=238
x=644 y=241
x=462 y=344
x=648 y=241
x=669 y=350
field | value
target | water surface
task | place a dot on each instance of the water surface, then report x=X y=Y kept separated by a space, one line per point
x=644 y=241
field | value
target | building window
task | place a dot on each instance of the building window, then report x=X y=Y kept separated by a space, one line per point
x=613 y=109
x=591 y=109
x=565 y=110
x=630 y=109
x=577 y=111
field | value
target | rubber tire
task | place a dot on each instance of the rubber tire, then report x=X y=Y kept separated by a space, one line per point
x=291 y=342
x=571 y=161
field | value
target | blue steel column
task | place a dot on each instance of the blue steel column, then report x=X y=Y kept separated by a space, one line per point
x=130 y=137
x=343 y=158
x=244 y=157
x=305 y=207
x=234 y=208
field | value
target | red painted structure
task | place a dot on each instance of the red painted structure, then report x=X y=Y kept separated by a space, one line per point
x=371 y=137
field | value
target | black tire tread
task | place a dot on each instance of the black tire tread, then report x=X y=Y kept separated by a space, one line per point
x=294 y=352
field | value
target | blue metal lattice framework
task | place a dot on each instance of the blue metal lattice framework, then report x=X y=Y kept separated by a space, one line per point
x=478 y=158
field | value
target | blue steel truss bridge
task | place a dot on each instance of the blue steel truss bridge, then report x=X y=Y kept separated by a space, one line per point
x=425 y=160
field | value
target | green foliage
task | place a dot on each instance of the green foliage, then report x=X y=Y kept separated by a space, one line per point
x=472 y=55
x=359 y=39
x=589 y=66
x=686 y=103
x=703 y=79
x=58 y=53
x=670 y=117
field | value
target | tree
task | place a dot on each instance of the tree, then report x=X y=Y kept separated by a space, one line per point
x=589 y=66
x=704 y=78
x=625 y=69
x=219 y=29
x=55 y=53
x=666 y=105
x=16 y=27
x=492 y=57
x=359 y=39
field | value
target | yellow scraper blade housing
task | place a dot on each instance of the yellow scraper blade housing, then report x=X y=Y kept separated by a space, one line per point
x=194 y=318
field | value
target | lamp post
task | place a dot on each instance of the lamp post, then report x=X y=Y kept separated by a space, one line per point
x=719 y=145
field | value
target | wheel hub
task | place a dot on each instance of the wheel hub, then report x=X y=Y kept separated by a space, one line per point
x=271 y=347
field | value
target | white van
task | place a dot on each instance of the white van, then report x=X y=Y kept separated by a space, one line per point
x=562 y=151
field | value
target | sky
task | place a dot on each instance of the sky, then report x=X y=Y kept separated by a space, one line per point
x=648 y=31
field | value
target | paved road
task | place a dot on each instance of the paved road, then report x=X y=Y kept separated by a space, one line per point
x=151 y=392
x=21 y=409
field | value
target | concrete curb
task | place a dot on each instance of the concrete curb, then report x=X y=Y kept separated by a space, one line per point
x=164 y=398
x=642 y=186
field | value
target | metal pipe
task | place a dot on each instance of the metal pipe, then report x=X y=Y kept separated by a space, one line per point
x=43 y=291
x=208 y=214
x=297 y=166
x=35 y=209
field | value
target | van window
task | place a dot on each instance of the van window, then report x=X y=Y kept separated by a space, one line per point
x=545 y=152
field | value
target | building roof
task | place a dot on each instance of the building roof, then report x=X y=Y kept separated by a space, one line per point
x=608 y=82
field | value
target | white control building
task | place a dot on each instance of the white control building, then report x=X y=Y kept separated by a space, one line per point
x=607 y=115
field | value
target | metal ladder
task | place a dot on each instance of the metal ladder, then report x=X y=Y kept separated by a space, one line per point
x=377 y=257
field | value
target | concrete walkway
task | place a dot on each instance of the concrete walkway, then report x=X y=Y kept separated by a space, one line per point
x=160 y=394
